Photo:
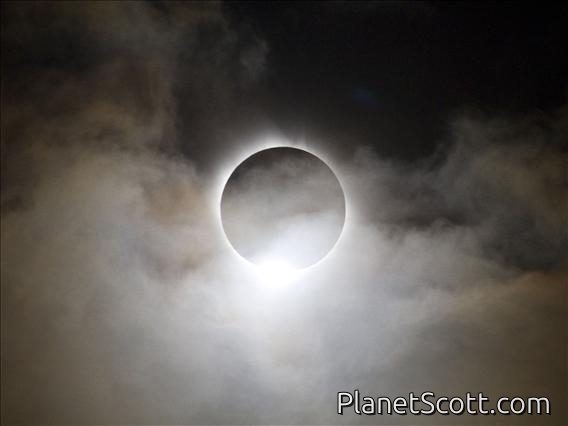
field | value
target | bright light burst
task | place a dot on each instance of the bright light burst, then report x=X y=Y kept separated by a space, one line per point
x=276 y=272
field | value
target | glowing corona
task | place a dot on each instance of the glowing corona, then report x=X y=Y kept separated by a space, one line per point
x=282 y=209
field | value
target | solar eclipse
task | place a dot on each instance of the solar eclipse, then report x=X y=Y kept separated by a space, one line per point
x=283 y=208
x=239 y=212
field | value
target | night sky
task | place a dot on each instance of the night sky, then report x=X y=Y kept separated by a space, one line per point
x=122 y=300
x=392 y=74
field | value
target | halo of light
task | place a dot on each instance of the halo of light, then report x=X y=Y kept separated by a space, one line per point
x=318 y=227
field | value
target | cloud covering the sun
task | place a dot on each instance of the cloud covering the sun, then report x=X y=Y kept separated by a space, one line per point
x=123 y=303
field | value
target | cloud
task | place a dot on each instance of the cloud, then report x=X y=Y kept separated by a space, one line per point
x=123 y=303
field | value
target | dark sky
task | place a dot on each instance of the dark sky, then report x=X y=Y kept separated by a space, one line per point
x=394 y=72
x=386 y=74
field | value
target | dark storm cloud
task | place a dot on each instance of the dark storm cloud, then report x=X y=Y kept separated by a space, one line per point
x=122 y=302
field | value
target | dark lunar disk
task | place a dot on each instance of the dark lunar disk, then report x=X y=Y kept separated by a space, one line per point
x=283 y=205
